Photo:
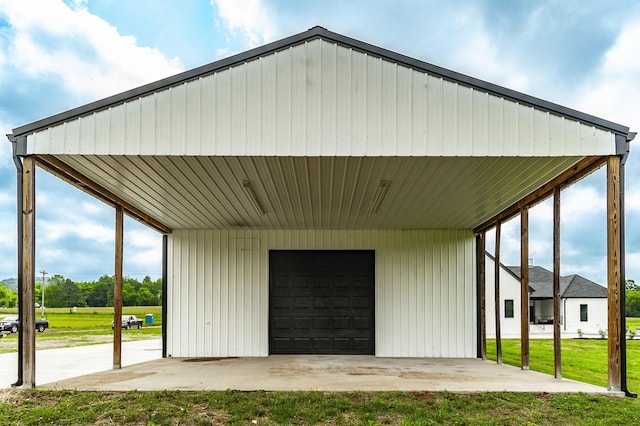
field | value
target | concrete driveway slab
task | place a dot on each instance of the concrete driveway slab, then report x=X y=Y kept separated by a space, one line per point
x=326 y=373
x=53 y=365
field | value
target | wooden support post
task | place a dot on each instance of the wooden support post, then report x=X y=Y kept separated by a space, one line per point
x=483 y=294
x=117 y=291
x=613 y=274
x=497 y=296
x=27 y=328
x=524 y=287
x=557 y=349
x=165 y=295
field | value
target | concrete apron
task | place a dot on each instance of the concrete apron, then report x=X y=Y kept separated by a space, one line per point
x=326 y=373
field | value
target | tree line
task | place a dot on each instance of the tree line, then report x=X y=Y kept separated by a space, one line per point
x=61 y=292
x=632 y=300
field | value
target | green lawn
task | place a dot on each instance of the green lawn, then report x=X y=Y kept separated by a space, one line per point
x=89 y=318
x=582 y=359
x=87 y=326
x=310 y=408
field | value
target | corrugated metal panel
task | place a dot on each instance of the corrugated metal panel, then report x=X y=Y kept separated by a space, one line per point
x=320 y=192
x=218 y=289
x=321 y=99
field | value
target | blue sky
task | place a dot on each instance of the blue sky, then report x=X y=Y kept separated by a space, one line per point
x=59 y=54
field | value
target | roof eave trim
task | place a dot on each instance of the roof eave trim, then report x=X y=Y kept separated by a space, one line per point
x=311 y=34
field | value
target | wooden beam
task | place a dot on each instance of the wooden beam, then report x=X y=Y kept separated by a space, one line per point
x=557 y=349
x=27 y=327
x=117 y=291
x=524 y=288
x=77 y=179
x=483 y=295
x=578 y=171
x=497 y=296
x=614 y=284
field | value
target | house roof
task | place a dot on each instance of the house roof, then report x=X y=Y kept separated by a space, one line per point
x=309 y=128
x=571 y=286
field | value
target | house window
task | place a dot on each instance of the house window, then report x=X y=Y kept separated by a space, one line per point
x=508 y=308
x=583 y=313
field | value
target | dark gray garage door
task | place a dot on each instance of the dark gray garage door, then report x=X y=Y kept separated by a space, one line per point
x=321 y=302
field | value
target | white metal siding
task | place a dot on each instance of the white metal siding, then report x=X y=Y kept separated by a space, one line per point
x=218 y=289
x=321 y=99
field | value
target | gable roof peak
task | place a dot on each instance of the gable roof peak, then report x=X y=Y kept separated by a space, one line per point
x=319 y=32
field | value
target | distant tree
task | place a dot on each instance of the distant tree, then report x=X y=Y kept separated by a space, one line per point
x=107 y=281
x=55 y=279
x=632 y=303
x=97 y=294
x=129 y=295
x=8 y=298
x=133 y=282
x=154 y=286
x=63 y=294
x=38 y=293
x=631 y=285
x=146 y=298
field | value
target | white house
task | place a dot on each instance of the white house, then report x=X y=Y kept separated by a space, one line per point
x=317 y=194
x=583 y=303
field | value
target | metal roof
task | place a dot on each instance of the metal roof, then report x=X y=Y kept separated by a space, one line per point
x=322 y=33
x=313 y=124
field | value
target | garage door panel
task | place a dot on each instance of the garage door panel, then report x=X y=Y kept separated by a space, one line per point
x=322 y=344
x=342 y=323
x=322 y=323
x=282 y=344
x=361 y=343
x=303 y=343
x=321 y=302
x=327 y=297
x=302 y=302
x=342 y=343
x=342 y=302
x=282 y=323
x=361 y=323
x=361 y=302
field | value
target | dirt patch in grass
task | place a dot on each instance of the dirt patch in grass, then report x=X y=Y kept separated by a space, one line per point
x=46 y=340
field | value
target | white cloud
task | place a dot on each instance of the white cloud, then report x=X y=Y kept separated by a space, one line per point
x=87 y=54
x=94 y=208
x=632 y=200
x=579 y=201
x=144 y=262
x=615 y=94
x=477 y=54
x=7 y=199
x=249 y=19
x=143 y=250
x=142 y=238
x=50 y=232
x=5 y=147
x=633 y=266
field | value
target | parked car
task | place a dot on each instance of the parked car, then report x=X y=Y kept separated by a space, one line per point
x=130 y=321
x=12 y=324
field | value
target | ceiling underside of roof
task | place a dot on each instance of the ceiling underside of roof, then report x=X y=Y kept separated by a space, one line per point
x=319 y=192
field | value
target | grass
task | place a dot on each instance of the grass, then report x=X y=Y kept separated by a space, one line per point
x=231 y=407
x=89 y=318
x=87 y=326
x=584 y=360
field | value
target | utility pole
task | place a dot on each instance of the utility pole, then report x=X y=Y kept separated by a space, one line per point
x=44 y=274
